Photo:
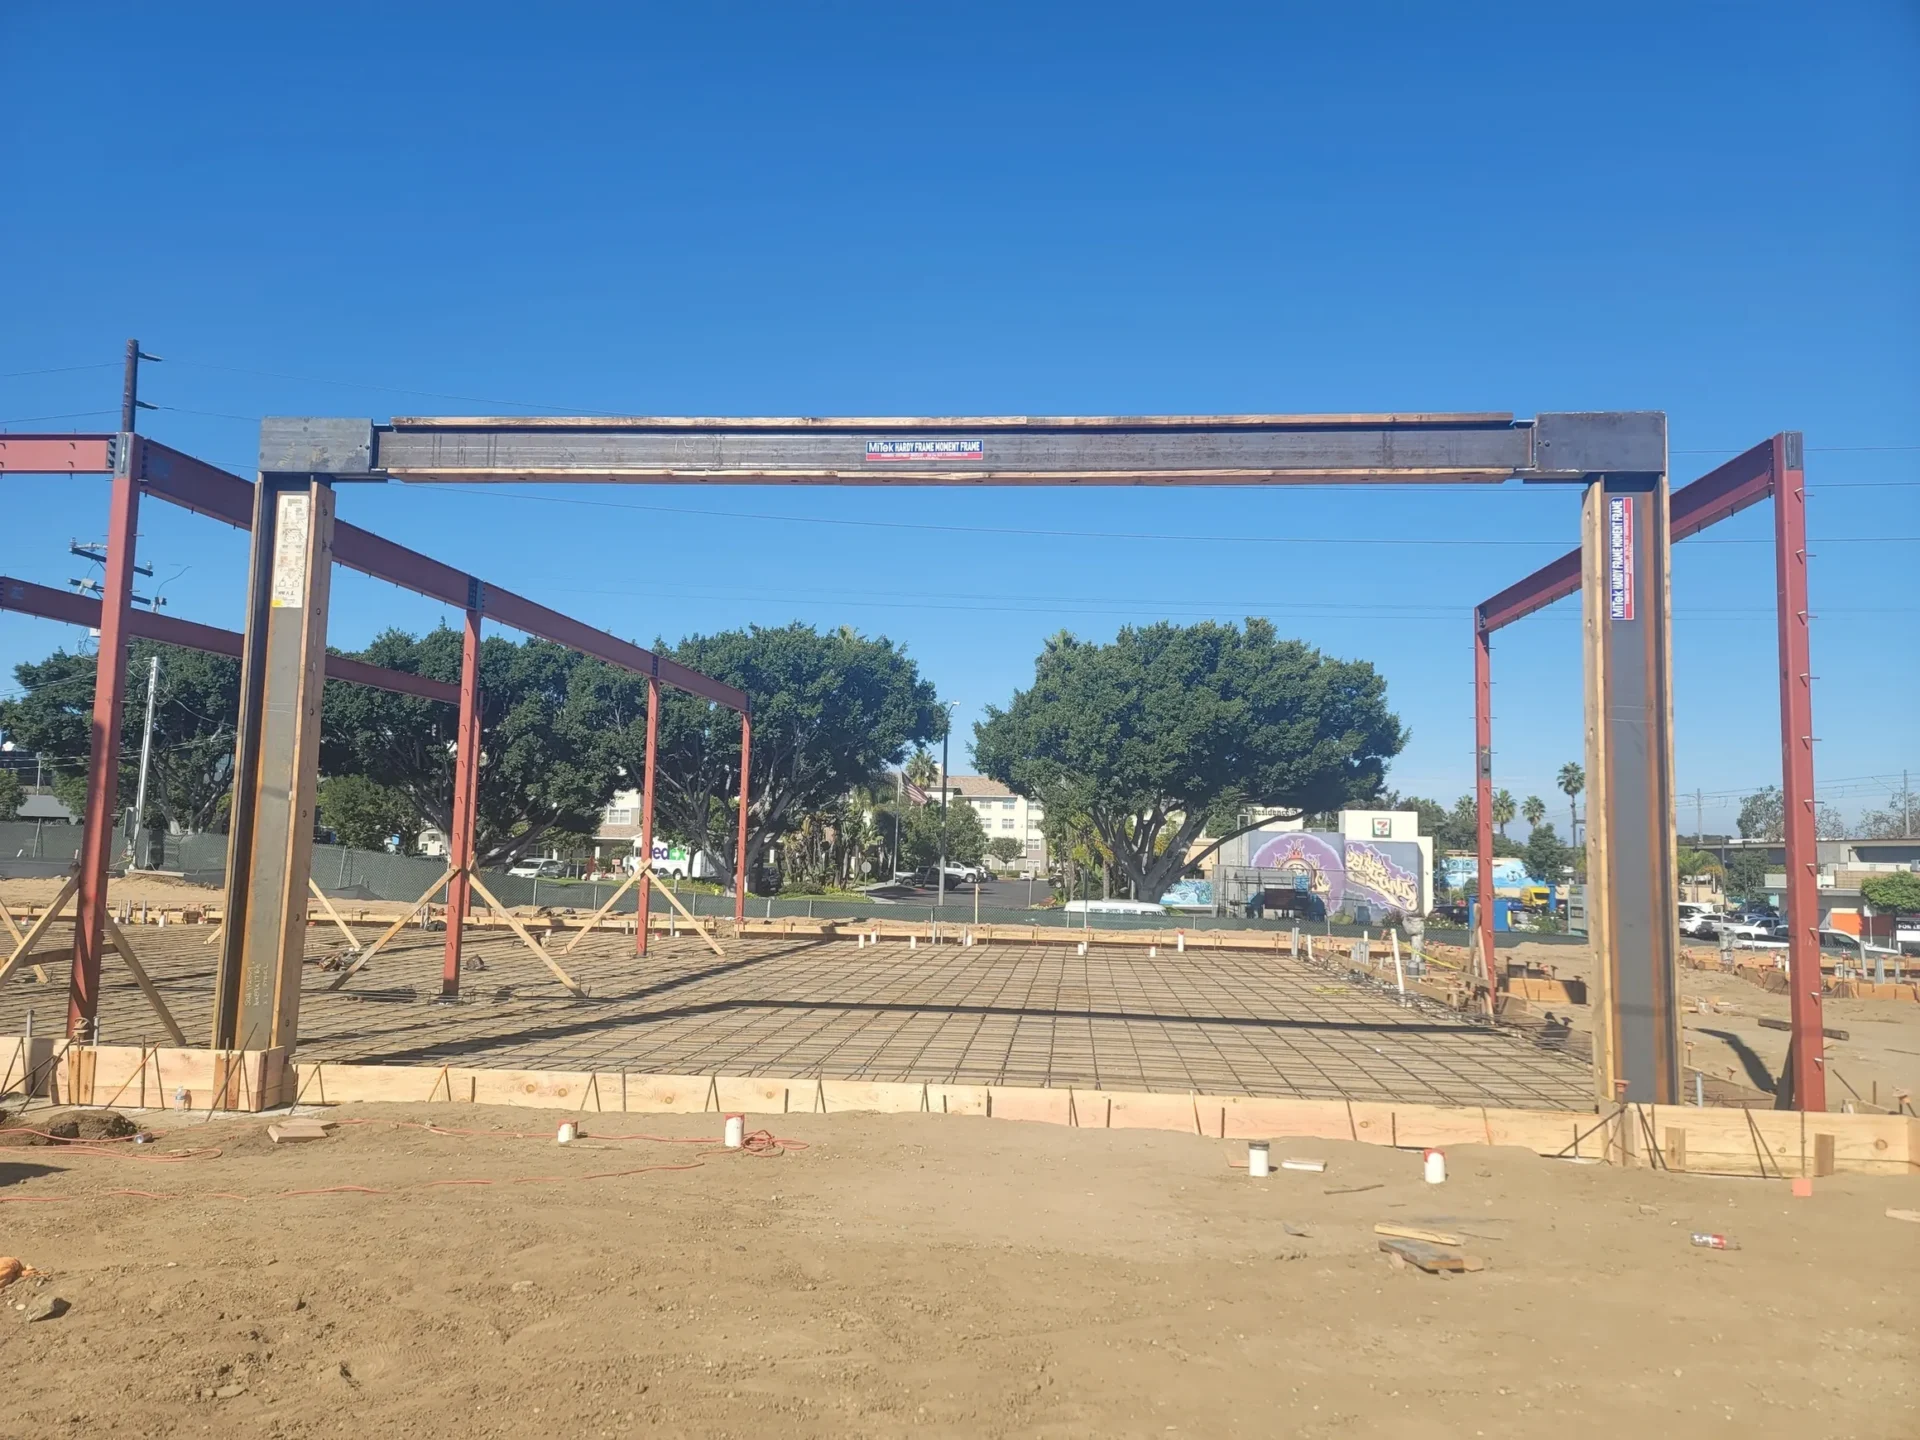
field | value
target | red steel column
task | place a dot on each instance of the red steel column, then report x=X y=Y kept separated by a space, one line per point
x=1807 y=1058
x=103 y=753
x=1483 y=798
x=645 y=886
x=466 y=795
x=740 y=864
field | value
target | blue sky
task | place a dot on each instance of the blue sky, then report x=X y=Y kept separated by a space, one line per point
x=366 y=210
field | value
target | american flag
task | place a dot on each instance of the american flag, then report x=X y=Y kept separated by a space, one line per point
x=912 y=791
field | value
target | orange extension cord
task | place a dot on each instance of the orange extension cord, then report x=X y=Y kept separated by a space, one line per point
x=761 y=1144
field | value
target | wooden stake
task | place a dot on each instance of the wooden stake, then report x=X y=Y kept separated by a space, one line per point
x=473 y=878
x=12 y=928
x=397 y=926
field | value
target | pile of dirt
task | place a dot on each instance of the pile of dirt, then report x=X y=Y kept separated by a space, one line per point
x=60 y=1127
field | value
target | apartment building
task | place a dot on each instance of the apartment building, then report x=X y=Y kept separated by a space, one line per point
x=1003 y=815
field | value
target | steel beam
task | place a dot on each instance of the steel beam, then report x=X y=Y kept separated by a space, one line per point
x=26 y=598
x=208 y=490
x=1630 y=826
x=466 y=795
x=103 y=751
x=981 y=450
x=644 y=885
x=270 y=841
x=1805 y=1083
x=57 y=454
x=1726 y=490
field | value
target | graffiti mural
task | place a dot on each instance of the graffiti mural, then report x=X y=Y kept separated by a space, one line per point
x=1383 y=875
x=1320 y=858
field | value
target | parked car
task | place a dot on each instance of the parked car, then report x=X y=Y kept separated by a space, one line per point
x=1743 y=929
x=538 y=869
x=1700 y=924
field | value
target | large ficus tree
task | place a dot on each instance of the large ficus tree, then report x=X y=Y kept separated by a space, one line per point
x=195 y=705
x=545 y=772
x=1172 y=732
x=830 y=712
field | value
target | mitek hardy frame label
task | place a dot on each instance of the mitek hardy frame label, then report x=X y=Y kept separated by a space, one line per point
x=1620 y=557
x=915 y=452
x=293 y=523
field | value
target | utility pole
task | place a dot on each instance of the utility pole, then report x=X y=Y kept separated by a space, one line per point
x=946 y=734
x=1699 y=820
x=1906 y=806
x=146 y=755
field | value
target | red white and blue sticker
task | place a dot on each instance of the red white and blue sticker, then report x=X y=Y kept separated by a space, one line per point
x=922 y=452
x=1620 y=557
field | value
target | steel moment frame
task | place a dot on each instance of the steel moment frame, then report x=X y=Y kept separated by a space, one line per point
x=1615 y=456
x=1774 y=469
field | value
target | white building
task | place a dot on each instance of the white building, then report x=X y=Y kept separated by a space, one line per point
x=1003 y=815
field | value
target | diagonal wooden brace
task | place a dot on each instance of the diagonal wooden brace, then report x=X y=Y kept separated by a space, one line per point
x=602 y=913
x=525 y=936
x=397 y=926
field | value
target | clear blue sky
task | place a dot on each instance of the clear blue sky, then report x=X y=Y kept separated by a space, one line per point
x=375 y=210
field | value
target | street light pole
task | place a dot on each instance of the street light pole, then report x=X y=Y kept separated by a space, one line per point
x=146 y=753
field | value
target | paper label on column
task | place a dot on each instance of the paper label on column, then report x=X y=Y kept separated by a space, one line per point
x=290 y=530
x=1620 y=557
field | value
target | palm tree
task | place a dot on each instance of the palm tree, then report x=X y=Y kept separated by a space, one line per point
x=922 y=769
x=1535 y=810
x=1573 y=779
x=1502 y=811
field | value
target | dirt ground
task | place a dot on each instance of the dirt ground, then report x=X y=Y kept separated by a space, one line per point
x=1877 y=1064
x=927 y=1275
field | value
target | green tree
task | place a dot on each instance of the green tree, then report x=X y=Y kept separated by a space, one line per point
x=1747 y=873
x=966 y=838
x=11 y=794
x=1548 y=857
x=195 y=706
x=1005 y=849
x=830 y=712
x=1691 y=864
x=922 y=769
x=1572 y=780
x=544 y=773
x=1170 y=732
x=1503 y=811
x=1894 y=893
x=365 y=814
x=1762 y=815
x=1534 y=810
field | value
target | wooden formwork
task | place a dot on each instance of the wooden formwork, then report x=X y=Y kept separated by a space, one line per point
x=1701 y=1140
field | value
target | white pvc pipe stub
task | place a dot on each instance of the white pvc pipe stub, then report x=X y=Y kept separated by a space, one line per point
x=1258 y=1159
x=736 y=1132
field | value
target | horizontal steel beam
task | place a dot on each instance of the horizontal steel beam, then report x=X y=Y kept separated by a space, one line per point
x=991 y=450
x=209 y=490
x=1725 y=490
x=56 y=454
x=27 y=598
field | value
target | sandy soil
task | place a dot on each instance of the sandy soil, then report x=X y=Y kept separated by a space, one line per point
x=927 y=1275
x=1876 y=1064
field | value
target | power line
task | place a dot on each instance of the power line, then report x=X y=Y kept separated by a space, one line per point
x=59 y=369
